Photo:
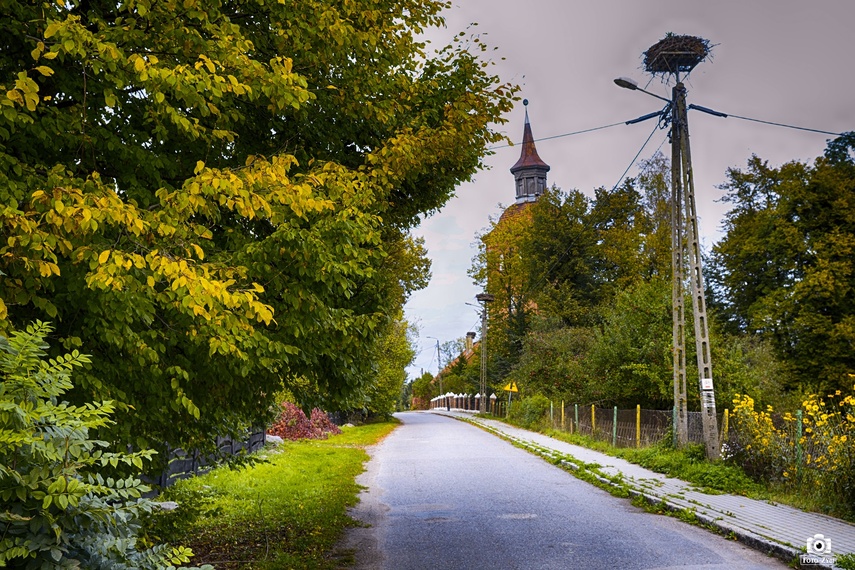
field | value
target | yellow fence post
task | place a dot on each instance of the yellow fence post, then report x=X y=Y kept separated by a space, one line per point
x=725 y=426
x=593 y=420
x=638 y=425
x=562 y=414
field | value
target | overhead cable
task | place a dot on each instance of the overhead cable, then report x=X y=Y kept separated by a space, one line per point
x=562 y=135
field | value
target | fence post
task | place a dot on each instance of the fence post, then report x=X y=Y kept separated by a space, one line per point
x=593 y=419
x=638 y=425
x=551 y=414
x=576 y=411
x=614 y=429
x=726 y=426
x=798 y=442
x=562 y=415
x=674 y=428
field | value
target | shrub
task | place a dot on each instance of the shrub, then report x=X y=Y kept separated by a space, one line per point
x=293 y=424
x=765 y=451
x=529 y=412
x=820 y=462
x=56 y=509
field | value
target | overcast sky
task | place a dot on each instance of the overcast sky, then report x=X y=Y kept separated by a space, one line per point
x=785 y=61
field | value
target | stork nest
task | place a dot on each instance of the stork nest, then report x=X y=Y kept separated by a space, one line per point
x=674 y=54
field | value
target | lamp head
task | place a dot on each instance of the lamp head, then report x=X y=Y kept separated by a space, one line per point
x=626 y=83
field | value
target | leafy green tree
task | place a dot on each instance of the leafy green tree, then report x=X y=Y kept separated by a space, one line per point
x=57 y=510
x=423 y=389
x=462 y=371
x=216 y=195
x=618 y=221
x=501 y=268
x=784 y=268
x=559 y=252
x=395 y=352
x=630 y=359
x=653 y=183
x=554 y=363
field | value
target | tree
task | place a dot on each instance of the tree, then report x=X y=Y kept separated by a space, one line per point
x=554 y=363
x=630 y=358
x=215 y=195
x=423 y=389
x=618 y=220
x=501 y=268
x=784 y=268
x=394 y=352
x=558 y=253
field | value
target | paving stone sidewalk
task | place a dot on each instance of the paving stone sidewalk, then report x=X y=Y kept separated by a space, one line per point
x=772 y=528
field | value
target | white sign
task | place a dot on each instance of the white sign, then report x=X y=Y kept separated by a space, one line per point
x=706 y=384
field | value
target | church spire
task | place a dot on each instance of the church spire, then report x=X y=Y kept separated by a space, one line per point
x=529 y=171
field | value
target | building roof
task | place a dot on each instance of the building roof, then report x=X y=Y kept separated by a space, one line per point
x=528 y=155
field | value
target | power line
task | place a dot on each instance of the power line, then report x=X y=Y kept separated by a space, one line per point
x=785 y=125
x=566 y=251
x=691 y=107
x=562 y=135
x=631 y=164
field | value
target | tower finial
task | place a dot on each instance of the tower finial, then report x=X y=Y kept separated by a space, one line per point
x=525 y=104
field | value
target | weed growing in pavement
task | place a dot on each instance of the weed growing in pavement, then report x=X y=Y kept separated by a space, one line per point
x=845 y=561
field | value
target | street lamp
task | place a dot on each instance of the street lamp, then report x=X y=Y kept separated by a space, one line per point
x=632 y=85
x=673 y=55
x=484 y=298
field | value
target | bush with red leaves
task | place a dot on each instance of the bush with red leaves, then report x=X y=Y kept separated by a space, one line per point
x=293 y=424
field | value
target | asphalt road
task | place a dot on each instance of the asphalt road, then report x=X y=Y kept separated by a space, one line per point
x=442 y=494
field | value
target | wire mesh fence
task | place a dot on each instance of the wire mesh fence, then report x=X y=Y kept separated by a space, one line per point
x=624 y=428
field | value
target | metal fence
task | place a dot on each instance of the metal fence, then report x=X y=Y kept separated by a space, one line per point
x=182 y=464
x=624 y=428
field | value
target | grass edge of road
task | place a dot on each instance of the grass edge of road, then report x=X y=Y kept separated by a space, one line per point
x=287 y=510
x=617 y=486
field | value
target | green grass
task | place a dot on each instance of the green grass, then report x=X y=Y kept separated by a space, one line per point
x=287 y=512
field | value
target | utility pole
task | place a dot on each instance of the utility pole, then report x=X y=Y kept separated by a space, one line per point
x=678 y=247
x=673 y=55
x=484 y=298
x=709 y=420
x=438 y=363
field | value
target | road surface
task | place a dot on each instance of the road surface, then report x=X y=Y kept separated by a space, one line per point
x=442 y=494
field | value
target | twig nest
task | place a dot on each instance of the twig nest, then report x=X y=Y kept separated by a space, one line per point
x=674 y=54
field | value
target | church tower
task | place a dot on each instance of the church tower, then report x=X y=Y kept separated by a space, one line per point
x=529 y=171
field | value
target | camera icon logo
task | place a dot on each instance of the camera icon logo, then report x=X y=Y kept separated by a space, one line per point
x=819 y=545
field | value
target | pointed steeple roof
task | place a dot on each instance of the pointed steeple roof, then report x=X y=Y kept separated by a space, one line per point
x=528 y=155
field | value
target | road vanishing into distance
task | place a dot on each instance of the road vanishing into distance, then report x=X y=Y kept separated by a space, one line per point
x=443 y=494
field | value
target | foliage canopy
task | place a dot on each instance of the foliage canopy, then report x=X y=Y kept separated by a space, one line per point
x=215 y=195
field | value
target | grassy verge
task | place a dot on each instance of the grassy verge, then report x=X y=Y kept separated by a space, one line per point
x=691 y=466
x=287 y=512
x=687 y=464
